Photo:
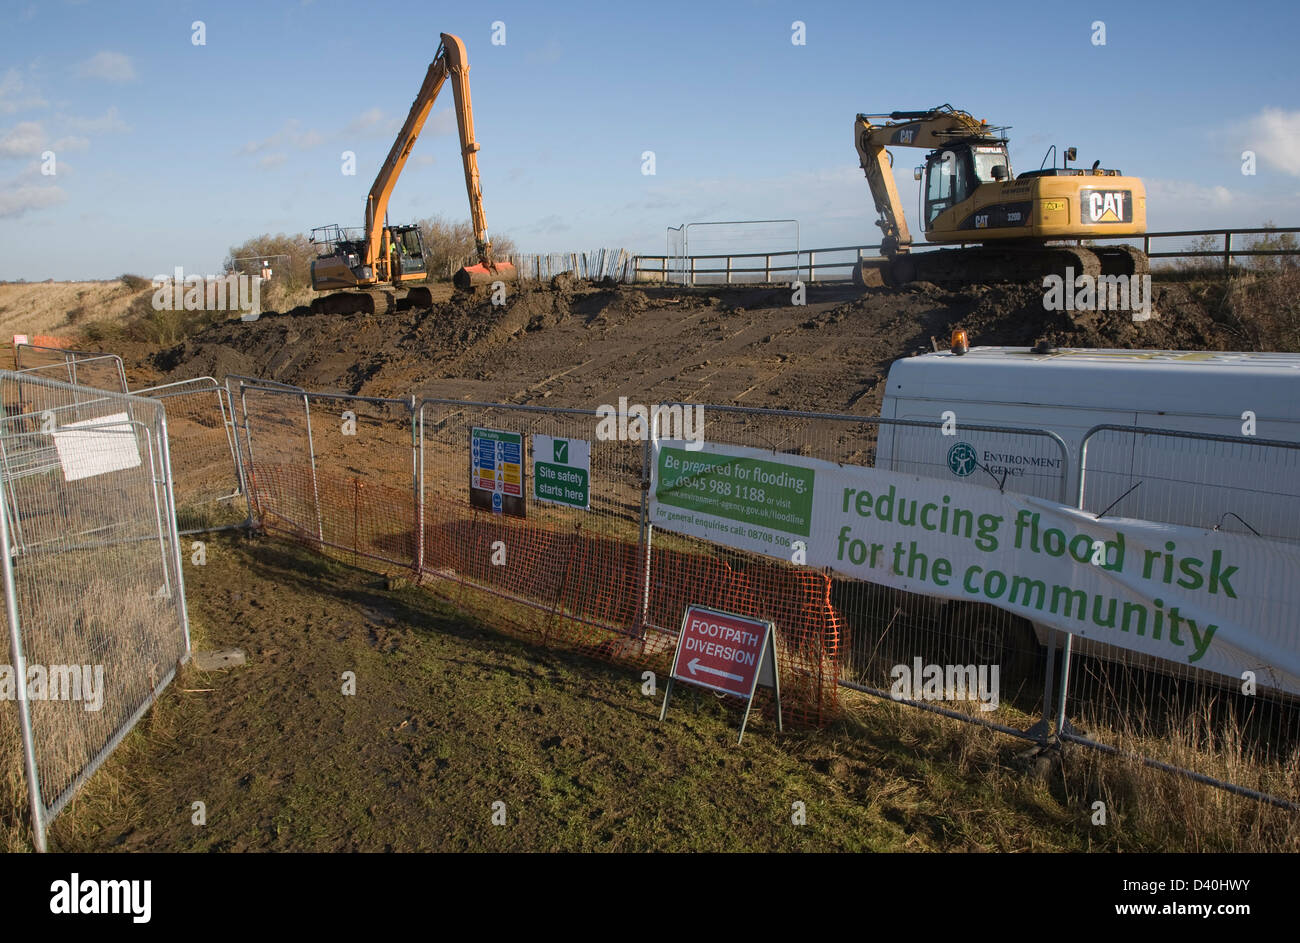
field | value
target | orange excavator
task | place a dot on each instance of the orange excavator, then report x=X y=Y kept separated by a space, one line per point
x=375 y=267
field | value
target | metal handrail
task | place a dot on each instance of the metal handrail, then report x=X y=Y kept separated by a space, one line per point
x=1227 y=252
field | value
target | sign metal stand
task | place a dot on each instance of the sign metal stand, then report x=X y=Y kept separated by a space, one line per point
x=737 y=669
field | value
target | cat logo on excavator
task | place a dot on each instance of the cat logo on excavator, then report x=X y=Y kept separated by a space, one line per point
x=1107 y=206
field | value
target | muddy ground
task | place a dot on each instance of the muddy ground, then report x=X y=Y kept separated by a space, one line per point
x=583 y=345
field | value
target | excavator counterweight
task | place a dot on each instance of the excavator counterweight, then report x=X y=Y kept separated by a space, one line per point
x=384 y=261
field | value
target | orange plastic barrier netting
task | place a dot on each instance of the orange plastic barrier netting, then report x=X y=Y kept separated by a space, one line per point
x=356 y=517
x=594 y=586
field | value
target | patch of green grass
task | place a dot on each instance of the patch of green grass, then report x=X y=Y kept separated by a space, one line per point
x=451 y=717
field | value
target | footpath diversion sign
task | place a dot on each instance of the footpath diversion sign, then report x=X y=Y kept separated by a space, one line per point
x=728 y=653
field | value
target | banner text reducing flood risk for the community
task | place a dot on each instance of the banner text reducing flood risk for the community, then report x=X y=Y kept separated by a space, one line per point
x=1218 y=602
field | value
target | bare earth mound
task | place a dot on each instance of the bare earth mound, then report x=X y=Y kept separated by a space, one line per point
x=587 y=345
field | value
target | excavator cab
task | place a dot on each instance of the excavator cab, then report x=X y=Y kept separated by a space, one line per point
x=408 y=244
x=954 y=173
x=340 y=258
x=340 y=262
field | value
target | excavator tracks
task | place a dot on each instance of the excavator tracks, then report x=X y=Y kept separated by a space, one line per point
x=959 y=268
x=954 y=268
x=372 y=301
x=1122 y=260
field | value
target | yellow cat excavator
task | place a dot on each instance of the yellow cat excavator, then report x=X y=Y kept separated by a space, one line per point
x=969 y=195
x=376 y=265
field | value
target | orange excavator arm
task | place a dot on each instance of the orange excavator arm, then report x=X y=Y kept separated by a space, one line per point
x=451 y=60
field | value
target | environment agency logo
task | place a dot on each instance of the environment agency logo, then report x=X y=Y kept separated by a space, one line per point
x=962 y=459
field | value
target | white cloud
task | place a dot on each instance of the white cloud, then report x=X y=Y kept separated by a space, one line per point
x=14 y=95
x=375 y=122
x=109 y=66
x=70 y=143
x=1175 y=205
x=548 y=53
x=15 y=200
x=272 y=160
x=106 y=123
x=838 y=193
x=441 y=122
x=547 y=224
x=1188 y=196
x=289 y=135
x=1274 y=135
x=22 y=140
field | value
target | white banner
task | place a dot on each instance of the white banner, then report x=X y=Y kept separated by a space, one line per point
x=1215 y=601
x=96 y=446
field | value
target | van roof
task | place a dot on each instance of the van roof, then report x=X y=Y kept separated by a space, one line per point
x=1203 y=382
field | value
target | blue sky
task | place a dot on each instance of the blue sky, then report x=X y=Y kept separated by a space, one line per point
x=168 y=153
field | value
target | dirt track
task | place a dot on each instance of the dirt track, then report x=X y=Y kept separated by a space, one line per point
x=587 y=345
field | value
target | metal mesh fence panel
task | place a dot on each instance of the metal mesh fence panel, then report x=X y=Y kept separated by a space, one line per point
x=365 y=458
x=333 y=469
x=573 y=574
x=207 y=475
x=280 y=468
x=616 y=264
x=839 y=629
x=1172 y=712
x=96 y=369
x=675 y=271
x=93 y=582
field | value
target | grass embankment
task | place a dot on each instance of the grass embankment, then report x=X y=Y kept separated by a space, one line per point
x=450 y=717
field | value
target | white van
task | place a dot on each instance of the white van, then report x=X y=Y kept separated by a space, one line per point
x=1236 y=484
x=1069 y=391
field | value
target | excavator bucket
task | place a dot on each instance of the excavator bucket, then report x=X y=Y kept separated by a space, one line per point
x=871 y=273
x=419 y=297
x=471 y=276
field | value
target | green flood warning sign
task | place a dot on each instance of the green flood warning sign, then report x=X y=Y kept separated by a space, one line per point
x=562 y=471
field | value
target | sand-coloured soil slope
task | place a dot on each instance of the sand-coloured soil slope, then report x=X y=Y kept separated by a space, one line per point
x=60 y=308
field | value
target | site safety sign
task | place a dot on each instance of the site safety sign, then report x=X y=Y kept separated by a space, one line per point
x=725 y=652
x=562 y=471
x=496 y=471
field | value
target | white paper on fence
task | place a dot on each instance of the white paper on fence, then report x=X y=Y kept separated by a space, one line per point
x=1222 y=602
x=107 y=447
